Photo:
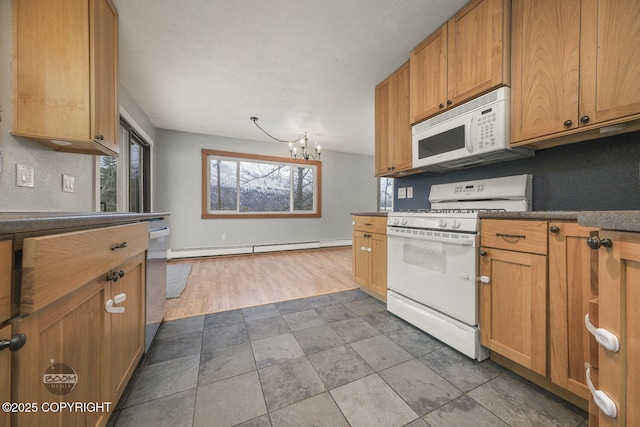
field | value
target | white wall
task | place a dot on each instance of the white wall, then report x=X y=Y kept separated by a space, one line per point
x=348 y=185
x=49 y=165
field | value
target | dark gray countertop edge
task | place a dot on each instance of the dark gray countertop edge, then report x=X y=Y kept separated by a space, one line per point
x=542 y=215
x=23 y=222
x=369 y=213
x=611 y=220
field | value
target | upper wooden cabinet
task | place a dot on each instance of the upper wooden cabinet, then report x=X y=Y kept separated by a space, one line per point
x=573 y=68
x=467 y=56
x=393 y=131
x=65 y=74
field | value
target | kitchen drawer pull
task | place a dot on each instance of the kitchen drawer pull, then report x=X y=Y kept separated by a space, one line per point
x=368 y=223
x=600 y=398
x=605 y=338
x=119 y=246
x=511 y=236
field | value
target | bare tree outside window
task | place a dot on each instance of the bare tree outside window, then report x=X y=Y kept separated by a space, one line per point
x=302 y=189
x=223 y=193
x=265 y=187
x=386 y=195
x=239 y=185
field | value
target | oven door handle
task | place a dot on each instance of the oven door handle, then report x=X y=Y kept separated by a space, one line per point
x=446 y=241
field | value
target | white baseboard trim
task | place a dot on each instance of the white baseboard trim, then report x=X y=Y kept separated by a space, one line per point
x=332 y=243
x=239 y=250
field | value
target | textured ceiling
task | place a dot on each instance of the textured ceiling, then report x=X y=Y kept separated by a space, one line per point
x=206 y=66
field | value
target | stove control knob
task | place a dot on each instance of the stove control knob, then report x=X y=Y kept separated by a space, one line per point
x=442 y=223
x=404 y=221
x=396 y=221
x=456 y=224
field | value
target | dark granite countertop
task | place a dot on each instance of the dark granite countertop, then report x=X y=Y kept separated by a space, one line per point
x=611 y=220
x=41 y=221
x=369 y=213
x=542 y=215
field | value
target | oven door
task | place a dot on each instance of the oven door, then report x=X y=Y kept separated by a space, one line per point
x=436 y=269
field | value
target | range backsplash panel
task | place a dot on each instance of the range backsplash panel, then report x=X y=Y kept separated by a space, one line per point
x=603 y=174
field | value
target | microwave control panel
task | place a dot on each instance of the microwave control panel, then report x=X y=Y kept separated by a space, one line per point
x=487 y=127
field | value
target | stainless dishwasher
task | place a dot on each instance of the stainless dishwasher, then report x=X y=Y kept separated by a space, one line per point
x=156 y=280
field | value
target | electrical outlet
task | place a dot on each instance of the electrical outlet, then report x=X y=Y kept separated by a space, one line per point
x=68 y=183
x=224 y=237
x=24 y=176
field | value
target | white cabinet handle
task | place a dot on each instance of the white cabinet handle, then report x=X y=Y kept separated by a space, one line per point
x=485 y=279
x=605 y=338
x=118 y=299
x=363 y=248
x=368 y=249
x=600 y=398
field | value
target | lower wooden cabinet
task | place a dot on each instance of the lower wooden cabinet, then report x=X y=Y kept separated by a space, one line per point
x=619 y=299
x=513 y=312
x=533 y=306
x=126 y=329
x=84 y=346
x=572 y=285
x=370 y=255
x=5 y=376
x=66 y=339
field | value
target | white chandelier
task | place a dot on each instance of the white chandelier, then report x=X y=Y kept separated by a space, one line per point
x=302 y=143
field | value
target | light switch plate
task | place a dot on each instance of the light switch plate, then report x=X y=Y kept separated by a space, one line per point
x=68 y=183
x=24 y=176
x=402 y=193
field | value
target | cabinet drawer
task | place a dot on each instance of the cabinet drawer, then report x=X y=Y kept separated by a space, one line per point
x=55 y=265
x=372 y=224
x=515 y=235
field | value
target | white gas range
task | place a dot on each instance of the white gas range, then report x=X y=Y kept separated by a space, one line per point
x=433 y=258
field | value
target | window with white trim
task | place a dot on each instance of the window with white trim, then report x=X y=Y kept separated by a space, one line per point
x=249 y=186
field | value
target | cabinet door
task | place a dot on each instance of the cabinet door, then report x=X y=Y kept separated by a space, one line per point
x=6 y=263
x=479 y=47
x=513 y=314
x=378 y=243
x=361 y=258
x=383 y=160
x=5 y=376
x=67 y=335
x=126 y=329
x=609 y=59
x=428 y=76
x=619 y=296
x=400 y=128
x=105 y=74
x=51 y=95
x=546 y=45
x=572 y=285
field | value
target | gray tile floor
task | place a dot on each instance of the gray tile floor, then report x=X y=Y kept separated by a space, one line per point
x=332 y=360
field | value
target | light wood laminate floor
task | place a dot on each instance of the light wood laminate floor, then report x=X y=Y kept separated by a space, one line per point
x=226 y=283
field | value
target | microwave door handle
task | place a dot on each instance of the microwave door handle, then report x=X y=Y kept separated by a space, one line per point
x=467 y=134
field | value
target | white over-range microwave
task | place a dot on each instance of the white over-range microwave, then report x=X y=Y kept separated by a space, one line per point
x=472 y=134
